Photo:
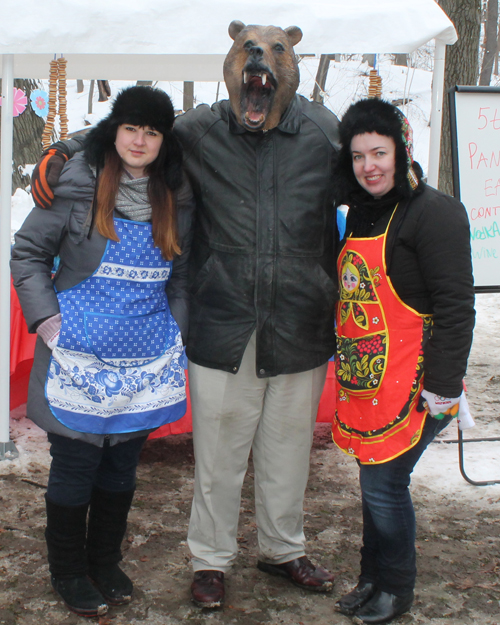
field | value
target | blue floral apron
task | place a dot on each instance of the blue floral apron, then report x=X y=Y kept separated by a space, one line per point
x=118 y=364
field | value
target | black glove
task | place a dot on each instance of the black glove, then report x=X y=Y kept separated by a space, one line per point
x=46 y=174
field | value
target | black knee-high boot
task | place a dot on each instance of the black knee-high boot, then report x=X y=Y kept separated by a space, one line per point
x=66 y=535
x=106 y=529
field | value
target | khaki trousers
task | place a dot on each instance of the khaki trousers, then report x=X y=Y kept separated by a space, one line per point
x=274 y=417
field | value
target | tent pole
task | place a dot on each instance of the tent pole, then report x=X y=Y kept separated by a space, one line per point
x=436 y=113
x=7 y=447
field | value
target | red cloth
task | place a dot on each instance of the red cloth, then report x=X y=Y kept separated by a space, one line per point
x=177 y=427
x=327 y=403
x=22 y=348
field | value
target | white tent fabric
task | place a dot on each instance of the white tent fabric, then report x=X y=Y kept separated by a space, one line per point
x=193 y=34
x=165 y=40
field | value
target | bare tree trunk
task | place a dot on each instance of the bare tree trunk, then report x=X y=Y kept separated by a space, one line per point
x=188 y=96
x=495 y=68
x=490 y=43
x=91 y=97
x=401 y=59
x=104 y=90
x=370 y=59
x=79 y=86
x=319 y=85
x=28 y=129
x=461 y=69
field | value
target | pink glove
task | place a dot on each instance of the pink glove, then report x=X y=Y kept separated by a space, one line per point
x=49 y=330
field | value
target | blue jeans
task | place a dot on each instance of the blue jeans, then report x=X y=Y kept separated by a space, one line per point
x=388 y=551
x=78 y=466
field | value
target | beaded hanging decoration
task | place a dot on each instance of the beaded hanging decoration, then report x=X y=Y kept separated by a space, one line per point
x=63 y=117
x=375 y=84
x=57 y=84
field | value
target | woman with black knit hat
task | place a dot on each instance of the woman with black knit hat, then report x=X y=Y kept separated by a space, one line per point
x=404 y=324
x=108 y=362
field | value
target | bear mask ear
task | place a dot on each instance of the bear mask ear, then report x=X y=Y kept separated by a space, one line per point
x=294 y=33
x=235 y=28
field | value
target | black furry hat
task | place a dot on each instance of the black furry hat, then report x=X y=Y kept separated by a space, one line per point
x=139 y=106
x=143 y=106
x=374 y=115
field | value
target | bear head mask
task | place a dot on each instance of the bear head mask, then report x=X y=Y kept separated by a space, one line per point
x=261 y=73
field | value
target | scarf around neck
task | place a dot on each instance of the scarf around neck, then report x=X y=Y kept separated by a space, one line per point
x=132 y=198
x=365 y=210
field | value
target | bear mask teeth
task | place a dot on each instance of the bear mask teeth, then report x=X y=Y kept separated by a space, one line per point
x=262 y=76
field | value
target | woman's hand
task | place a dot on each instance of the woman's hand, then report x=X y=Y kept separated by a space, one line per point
x=440 y=406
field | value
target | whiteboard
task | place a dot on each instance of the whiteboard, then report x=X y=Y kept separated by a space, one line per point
x=475 y=133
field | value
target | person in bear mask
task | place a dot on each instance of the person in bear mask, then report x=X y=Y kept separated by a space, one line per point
x=263 y=289
x=404 y=326
x=108 y=365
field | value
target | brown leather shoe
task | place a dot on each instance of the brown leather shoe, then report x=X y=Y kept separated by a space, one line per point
x=207 y=589
x=302 y=573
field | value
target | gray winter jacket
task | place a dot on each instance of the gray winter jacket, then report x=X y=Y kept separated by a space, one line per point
x=63 y=231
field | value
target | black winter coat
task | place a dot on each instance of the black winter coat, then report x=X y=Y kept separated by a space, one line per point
x=429 y=262
x=263 y=256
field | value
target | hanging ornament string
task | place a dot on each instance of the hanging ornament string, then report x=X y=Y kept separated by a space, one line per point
x=49 y=124
x=375 y=84
x=57 y=90
x=63 y=118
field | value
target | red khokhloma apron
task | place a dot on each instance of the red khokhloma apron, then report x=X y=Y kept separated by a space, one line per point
x=379 y=360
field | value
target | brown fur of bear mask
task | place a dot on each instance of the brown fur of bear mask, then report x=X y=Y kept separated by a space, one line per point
x=261 y=73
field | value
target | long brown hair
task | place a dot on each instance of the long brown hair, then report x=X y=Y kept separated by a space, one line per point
x=161 y=198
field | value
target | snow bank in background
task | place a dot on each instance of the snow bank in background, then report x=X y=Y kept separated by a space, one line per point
x=21 y=206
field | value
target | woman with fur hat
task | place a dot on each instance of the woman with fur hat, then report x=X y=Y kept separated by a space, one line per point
x=108 y=363
x=404 y=324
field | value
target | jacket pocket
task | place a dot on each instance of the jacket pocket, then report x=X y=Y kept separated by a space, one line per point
x=204 y=275
x=126 y=341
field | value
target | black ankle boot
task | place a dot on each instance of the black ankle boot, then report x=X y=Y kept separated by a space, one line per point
x=80 y=595
x=383 y=607
x=107 y=527
x=356 y=599
x=65 y=535
x=115 y=586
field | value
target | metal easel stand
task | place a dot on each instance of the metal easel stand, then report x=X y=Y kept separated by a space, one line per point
x=461 y=440
x=8 y=451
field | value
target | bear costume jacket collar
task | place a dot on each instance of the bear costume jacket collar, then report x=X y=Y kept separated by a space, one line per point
x=290 y=121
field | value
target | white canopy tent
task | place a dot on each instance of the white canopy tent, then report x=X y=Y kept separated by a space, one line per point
x=163 y=40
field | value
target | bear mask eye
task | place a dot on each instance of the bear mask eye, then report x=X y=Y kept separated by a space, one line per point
x=249 y=44
x=279 y=47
